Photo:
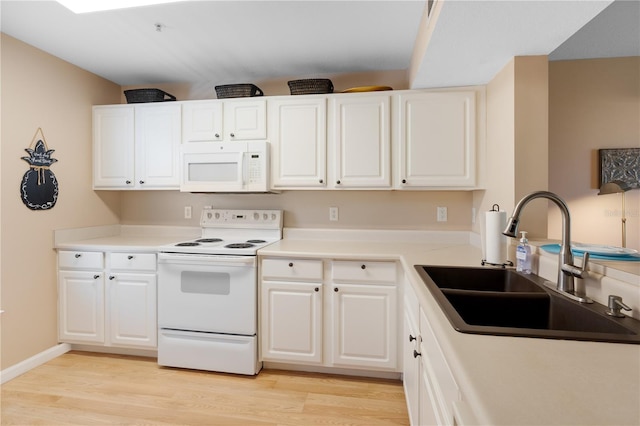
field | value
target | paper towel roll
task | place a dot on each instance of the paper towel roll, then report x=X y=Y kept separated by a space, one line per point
x=495 y=244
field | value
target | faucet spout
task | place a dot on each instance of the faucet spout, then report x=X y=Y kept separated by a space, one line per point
x=566 y=270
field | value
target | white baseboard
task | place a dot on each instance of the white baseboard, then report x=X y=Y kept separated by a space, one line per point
x=30 y=363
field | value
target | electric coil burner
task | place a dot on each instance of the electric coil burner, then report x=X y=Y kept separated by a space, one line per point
x=208 y=292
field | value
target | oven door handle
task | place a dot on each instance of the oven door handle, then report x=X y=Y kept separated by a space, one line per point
x=207 y=260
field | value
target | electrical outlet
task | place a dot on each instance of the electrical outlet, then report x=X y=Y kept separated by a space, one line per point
x=333 y=214
x=441 y=214
x=187 y=212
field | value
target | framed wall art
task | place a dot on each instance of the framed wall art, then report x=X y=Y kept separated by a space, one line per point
x=620 y=164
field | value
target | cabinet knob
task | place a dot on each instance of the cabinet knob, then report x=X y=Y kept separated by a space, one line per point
x=233 y=135
x=411 y=338
x=363 y=267
x=112 y=277
x=95 y=277
x=141 y=182
x=404 y=181
x=130 y=257
x=336 y=289
x=78 y=255
x=416 y=354
x=217 y=135
x=290 y=264
x=338 y=182
x=321 y=180
x=128 y=182
x=316 y=289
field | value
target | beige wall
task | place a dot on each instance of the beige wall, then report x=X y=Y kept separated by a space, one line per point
x=310 y=209
x=41 y=91
x=593 y=104
x=516 y=151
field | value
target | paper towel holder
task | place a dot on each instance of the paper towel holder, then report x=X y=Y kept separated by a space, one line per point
x=496 y=208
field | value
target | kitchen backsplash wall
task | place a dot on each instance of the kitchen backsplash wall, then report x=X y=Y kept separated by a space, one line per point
x=310 y=209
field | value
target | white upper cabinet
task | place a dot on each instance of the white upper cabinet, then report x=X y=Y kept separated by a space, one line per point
x=361 y=141
x=224 y=120
x=245 y=119
x=113 y=147
x=436 y=139
x=136 y=147
x=157 y=155
x=202 y=121
x=297 y=132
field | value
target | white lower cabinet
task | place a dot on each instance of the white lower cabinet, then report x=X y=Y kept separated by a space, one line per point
x=81 y=306
x=353 y=325
x=107 y=299
x=430 y=388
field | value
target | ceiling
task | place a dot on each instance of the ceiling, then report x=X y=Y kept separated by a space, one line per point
x=220 y=42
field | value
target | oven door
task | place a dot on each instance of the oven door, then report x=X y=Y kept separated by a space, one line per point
x=216 y=294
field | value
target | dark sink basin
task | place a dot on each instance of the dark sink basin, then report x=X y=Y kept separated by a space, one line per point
x=505 y=302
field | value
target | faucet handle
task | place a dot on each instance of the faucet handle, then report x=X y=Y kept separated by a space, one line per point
x=575 y=271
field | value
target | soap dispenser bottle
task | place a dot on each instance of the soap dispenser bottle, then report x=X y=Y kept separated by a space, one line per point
x=523 y=255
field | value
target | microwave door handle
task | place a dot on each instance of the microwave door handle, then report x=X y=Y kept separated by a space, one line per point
x=245 y=164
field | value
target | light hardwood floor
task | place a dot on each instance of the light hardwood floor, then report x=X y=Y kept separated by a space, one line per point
x=82 y=388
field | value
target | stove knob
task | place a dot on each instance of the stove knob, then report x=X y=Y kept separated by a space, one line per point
x=217 y=216
x=256 y=216
x=273 y=216
x=265 y=216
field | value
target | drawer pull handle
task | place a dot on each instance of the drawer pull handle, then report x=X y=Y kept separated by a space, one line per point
x=112 y=277
x=130 y=257
x=416 y=354
x=336 y=289
x=290 y=264
x=95 y=277
x=412 y=338
x=78 y=255
x=316 y=289
x=363 y=267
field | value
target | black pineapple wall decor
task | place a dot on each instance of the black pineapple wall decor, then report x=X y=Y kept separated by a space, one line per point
x=39 y=187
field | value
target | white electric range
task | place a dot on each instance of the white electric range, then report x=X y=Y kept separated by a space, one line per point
x=208 y=292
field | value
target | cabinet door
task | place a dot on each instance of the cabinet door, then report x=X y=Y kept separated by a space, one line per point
x=297 y=132
x=291 y=327
x=437 y=139
x=157 y=140
x=113 y=147
x=132 y=309
x=201 y=121
x=364 y=325
x=245 y=119
x=81 y=306
x=411 y=368
x=362 y=141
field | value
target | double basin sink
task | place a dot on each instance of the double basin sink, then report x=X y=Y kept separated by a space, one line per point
x=505 y=302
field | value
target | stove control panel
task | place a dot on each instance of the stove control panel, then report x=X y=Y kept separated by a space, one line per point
x=252 y=219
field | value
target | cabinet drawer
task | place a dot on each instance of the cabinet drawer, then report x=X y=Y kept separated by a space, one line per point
x=365 y=271
x=298 y=269
x=133 y=261
x=80 y=260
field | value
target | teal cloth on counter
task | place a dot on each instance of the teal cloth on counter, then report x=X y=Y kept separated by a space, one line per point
x=631 y=257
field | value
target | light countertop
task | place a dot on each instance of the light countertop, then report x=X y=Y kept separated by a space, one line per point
x=503 y=380
x=507 y=380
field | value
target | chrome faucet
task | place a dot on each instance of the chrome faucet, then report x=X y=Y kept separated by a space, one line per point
x=567 y=271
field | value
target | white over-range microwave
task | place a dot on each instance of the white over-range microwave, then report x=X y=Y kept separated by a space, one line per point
x=225 y=166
